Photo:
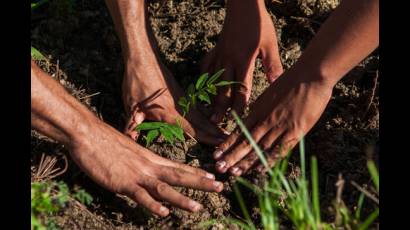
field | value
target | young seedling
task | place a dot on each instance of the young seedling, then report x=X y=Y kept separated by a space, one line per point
x=200 y=91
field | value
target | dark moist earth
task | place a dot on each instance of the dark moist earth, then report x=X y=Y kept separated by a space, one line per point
x=85 y=57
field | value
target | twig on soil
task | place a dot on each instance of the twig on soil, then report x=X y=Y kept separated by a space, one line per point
x=373 y=94
x=339 y=184
x=88 y=96
x=190 y=136
x=365 y=192
x=46 y=170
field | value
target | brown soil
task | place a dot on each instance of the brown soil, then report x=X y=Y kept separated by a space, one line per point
x=85 y=57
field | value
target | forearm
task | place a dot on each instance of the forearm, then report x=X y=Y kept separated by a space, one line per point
x=131 y=21
x=244 y=6
x=347 y=37
x=54 y=112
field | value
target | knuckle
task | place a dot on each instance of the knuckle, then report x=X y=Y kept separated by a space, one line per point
x=161 y=188
x=178 y=173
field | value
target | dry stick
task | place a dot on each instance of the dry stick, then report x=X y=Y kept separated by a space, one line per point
x=91 y=95
x=189 y=135
x=58 y=70
x=45 y=170
x=365 y=192
x=373 y=93
x=339 y=202
x=339 y=184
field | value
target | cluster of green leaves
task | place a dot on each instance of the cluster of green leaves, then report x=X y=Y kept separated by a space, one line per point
x=83 y=196
x=46 y=198
x=200 y=91
x=168 y=131
x=300 y=205
x=50 y=197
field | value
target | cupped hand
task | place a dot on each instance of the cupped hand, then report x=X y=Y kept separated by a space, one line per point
x=150 y=92
x=248 y=32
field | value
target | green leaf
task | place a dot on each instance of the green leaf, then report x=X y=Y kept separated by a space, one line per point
x=204 y=96
x=36 y=55
x=193 y=100
x=215 y=76
x=177 y=131
x=201 y=81
x=211 y=89
x=168 y=136
x=149 y=126
x=151 y=135
x=184 y=103
x=83 y=196
x=224 y=83
x=191 y=90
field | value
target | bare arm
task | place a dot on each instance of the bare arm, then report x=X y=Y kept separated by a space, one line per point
x=347 y=37
x=111 y=159
x=293 y=104
x=146 y=75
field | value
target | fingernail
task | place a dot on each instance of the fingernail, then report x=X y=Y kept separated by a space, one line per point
x=217 y=185
x=163 y=210
x=218 y=153
x=210 y=176
x=236 y=171
x=195 y=206
x=226 y=132
x=220 y=164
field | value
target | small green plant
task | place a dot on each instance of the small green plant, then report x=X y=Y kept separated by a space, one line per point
x=200 y=91
x=168 y=131
x=293 y=199
x=83 y=196
x=47 y=198
x=51 y=197
x=203 y=87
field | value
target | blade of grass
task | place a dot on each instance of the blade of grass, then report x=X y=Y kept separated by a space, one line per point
x=369 y=220
x=242 y=205
x=373 y=173
x=302 y=157
x=251 y=141
x=359 y=206
x=315 y=190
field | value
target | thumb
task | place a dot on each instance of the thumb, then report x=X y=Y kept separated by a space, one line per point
x=136 y=118
x=271 y=63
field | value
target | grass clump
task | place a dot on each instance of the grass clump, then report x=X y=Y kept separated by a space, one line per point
x=297 y=200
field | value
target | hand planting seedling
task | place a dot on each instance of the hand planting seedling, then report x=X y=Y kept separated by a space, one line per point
x=200 y=91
